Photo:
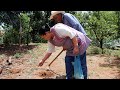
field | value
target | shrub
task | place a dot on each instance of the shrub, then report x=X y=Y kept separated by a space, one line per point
x=94 y=50
x=17 y=55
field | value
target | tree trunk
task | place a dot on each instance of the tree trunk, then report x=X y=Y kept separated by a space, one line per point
x=101 y=45
x=33 y=36
x=28 y=34
x=20 y=33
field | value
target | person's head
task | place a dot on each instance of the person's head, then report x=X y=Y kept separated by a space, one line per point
x=45 y=33
x=52 y=22
x=57 y=16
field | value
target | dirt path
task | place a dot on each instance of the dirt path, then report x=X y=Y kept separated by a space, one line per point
x=99 y=67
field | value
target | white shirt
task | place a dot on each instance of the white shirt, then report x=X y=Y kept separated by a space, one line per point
x=63 y=31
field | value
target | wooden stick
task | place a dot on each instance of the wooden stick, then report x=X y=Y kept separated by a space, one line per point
x=55 y=58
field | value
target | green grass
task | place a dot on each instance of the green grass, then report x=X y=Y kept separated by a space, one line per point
x=93 y=50
x=97 y=50
x=17 y=55
x=110 y=52
x=29 y=51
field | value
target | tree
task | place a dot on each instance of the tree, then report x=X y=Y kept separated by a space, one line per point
x=102 y=26
x=25 y=23
x=11 y=21
x=18 y=24
x=10 y=18
x=38 y=19
x=118 y=23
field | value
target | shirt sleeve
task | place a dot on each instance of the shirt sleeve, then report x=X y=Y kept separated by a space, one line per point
x=72 y=20
x=51 y=48
x=64 y=31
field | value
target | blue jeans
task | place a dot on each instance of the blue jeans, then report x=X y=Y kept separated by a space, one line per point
x=70 y=68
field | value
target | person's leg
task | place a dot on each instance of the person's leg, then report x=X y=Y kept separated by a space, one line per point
x=69 y=66
x=84 y=64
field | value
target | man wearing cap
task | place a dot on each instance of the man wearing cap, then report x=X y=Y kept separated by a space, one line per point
x=71 y=20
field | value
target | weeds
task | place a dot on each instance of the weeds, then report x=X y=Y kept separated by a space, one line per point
x=17 y=55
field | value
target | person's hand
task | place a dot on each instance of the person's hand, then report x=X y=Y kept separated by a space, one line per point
x=41 y=63
x=76 y=50
x=64 y=48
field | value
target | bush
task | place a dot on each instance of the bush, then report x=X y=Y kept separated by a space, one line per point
x=38 y=39
x=94 y=50
x=107 y=51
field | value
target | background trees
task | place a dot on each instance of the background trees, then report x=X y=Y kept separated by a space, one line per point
x=21 y=27
x=101 y=26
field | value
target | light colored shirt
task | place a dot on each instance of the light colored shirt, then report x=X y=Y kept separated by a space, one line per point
x=63 y=37
x=73 y=22
x=62 y=31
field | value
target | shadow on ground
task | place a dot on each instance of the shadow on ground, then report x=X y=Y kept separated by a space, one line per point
x=50 y=74
x=57 y=77
x=11 y=50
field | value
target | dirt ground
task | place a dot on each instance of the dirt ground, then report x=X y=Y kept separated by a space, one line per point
x=26 y=67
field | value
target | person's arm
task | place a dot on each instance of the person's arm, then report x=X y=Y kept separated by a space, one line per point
x=51 y=48
x=75 y=44
x=45 y=58
x=71 y=20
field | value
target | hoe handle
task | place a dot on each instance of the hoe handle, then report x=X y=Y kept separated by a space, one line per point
x=55 y=58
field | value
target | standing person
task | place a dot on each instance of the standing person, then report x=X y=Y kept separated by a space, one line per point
x=71 y=20
x=74 y=42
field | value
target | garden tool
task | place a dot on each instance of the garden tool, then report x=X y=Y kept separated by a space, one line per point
x=48 y=68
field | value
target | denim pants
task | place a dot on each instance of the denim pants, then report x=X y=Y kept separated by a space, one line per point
x=70 y=68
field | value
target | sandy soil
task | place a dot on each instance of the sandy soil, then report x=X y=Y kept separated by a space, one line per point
x=26 y=67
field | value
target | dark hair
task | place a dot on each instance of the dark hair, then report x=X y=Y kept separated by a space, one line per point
x=52 y=22
x=44 y=29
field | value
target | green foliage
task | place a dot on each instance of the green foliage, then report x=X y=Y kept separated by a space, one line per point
x=102 y=26
x=10 y=37
x=94 y=50
x=107 y=51
x=72 y=12
x=111 y=52
x=117 y=13
x=38 y=19
x=17 y=55
x=25 y=20
x=97 y=50
x=1 y=37
x=38 y=39
x=12 y=34
x=82 y=17
x=10 y=18
x=1 y=40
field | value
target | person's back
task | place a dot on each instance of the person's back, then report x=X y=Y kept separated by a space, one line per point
x=73 y=22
